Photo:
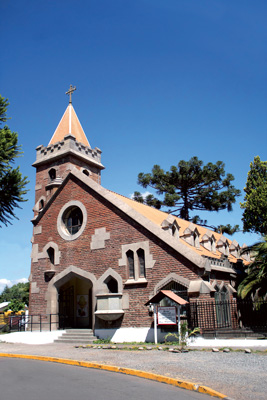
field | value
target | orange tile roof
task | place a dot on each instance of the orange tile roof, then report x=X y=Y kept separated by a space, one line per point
x=69 y=124
x=166 y=293
x=158 y=216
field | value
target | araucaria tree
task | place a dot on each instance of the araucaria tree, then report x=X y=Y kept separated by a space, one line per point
x=255 y=202
x=191 y=186
x=12 y=184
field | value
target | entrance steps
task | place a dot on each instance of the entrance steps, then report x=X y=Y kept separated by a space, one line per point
x=77 y=336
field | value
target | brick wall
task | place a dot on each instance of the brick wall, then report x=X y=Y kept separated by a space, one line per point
x=123 y=230
x=63 y=167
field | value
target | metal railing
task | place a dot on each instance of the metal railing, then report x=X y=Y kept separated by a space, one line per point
x=235 y=315
x=36 y=322
x=244 y=317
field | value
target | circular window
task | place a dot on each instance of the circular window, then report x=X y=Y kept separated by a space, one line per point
x=72 y=220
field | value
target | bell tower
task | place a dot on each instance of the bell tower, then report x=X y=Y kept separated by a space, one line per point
x=68 y=148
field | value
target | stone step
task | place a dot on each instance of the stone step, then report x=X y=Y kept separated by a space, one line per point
x=73 y=332
x=79 y=329
x=77 y=336
x=83 y=337
x=75 y=341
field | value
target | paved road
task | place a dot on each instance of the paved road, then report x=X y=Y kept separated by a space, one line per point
x=39 y=380
x=236 y=374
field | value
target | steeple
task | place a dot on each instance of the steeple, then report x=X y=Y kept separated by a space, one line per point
x=68 y=148
x=69 y=124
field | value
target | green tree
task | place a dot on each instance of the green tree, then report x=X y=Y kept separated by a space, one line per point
x=230 y=230
x=255 y=283
x=19 y=292
x=12 y=184
x=255 y=201
x=190 y=186
x=16 y=305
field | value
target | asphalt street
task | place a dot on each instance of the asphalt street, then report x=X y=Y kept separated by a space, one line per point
x=33 y=379
x=238 y=375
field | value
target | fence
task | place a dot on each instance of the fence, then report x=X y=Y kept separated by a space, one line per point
x=238 y=317
x=37 y=322
x=235 y=315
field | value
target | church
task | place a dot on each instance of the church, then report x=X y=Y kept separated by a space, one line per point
x=99 y=257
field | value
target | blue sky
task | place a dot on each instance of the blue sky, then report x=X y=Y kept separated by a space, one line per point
x=157 y=81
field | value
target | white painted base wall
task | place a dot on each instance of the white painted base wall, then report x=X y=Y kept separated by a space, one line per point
x=121 y=335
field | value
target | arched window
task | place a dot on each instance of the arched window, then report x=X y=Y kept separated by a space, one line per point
x=177 y=288
x=141 y=260
x=112 y=284
x=221 y=294
x=130 y=261
x=51 y=255
x=41 y=204
x=137 y=260
x=222 y=307
x=52 y=174
x=86 y=172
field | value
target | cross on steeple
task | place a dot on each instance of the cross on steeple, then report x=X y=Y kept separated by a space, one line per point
x=70 y=91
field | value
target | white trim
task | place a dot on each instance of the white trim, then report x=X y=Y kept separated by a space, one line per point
x=69 y=119
x=120 y=335
x=132 y=281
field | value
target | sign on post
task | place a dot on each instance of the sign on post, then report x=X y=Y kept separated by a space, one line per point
x=167 y=316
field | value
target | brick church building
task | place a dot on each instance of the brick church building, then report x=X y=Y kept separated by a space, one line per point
x=98 y=257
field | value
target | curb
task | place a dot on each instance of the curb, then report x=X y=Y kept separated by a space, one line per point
x=128 y=371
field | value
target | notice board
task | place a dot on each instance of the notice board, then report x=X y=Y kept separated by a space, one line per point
x=167 y=316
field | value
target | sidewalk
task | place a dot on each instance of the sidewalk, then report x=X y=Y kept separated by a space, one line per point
x=197 y=343
x=31 y=337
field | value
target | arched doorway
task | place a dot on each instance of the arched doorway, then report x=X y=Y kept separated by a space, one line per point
x=71 y=296
x=75 y=303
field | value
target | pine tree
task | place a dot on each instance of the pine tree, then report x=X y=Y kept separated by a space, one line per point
x=190 y=186
x=255 y=202
x=12 y=184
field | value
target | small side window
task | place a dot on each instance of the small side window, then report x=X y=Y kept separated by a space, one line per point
x=52 y=174
x=141 y=259
x=112 y=285
x=86 y=172
x=51 y=255
x=130 y=260
x=41 y=205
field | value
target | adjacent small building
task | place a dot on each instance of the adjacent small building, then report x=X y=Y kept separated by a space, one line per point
x=98 y=257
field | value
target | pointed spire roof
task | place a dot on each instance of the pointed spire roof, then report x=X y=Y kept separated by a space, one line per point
x=69 y=124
